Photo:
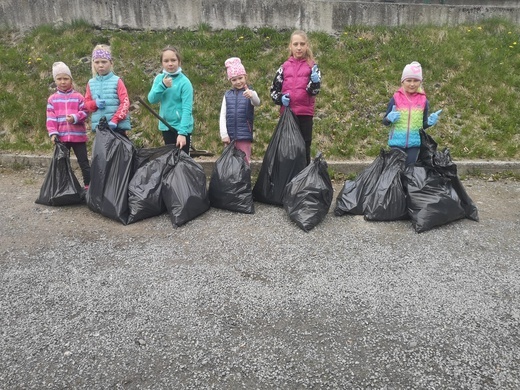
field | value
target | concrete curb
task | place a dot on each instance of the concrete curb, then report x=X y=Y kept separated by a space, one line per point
x=464 y=167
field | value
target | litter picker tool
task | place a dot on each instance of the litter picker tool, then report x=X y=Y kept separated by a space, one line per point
x=193 y=152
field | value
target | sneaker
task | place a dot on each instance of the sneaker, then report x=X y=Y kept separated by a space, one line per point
x=86 y=187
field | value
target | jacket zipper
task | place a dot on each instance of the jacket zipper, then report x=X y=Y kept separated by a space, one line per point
x=408 y=127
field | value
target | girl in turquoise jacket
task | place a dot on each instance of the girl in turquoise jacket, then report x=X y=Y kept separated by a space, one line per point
x=173 y=90
x=106 y=94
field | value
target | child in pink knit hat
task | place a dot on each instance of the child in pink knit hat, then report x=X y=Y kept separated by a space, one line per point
x=66 y=115
x=237 y=113
x=407 y=113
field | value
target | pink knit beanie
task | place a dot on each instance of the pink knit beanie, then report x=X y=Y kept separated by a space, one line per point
x=60 y=68
x=234 y=67
x=412 y=71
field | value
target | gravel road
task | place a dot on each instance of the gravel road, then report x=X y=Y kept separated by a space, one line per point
x=232 y=301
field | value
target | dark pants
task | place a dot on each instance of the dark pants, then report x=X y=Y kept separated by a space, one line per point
x=80 y=150
x=170 y=138
x=411 y=154
x=305 y=123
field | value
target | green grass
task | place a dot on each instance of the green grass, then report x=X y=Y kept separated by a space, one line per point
x=470 y=71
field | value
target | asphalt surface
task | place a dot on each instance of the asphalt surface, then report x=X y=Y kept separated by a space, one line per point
x=235 y=301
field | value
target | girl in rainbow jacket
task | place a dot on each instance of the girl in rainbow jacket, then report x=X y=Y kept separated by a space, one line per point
x=407 y=113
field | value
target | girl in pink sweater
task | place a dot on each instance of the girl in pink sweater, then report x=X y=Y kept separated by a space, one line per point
x=66 y=116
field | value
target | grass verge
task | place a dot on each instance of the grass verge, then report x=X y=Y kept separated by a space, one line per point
x=470 y=71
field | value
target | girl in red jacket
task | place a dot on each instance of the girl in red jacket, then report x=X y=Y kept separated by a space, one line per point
x=296 y=84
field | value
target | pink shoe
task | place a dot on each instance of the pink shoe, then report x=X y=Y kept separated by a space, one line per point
x=86 y=187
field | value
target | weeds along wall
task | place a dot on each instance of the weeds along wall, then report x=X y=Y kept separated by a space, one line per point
x=311 y=15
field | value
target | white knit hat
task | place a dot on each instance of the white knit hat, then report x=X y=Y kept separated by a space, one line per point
x=60 y=68
x=412 y=71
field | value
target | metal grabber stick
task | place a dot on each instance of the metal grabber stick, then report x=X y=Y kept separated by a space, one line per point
x=193 y=152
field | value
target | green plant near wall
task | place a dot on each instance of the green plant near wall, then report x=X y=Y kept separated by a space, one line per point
x=470 y=71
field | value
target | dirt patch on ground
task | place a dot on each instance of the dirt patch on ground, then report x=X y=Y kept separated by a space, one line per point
x=21 y=217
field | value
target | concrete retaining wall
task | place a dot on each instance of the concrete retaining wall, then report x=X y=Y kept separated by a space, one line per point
x=500 y=3
x=311 y=15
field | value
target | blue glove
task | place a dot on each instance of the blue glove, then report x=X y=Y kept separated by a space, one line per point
x=286 y=99
x=100 y=103
x=393 y=115
x=433 y=118
x=112 y=125
x=315 y=77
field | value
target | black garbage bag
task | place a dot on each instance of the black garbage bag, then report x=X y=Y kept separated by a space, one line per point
x=355 y=193
x=230 y=183
x=428 y=150
x=184 y=188
x=432 y=201
x=283 y=159
x=144 y=190
x=60 y=187
x=111 y=171
x=308 y=196
x=144 y=155
x=442 y=162
x=470 y=208
x=387 y=202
